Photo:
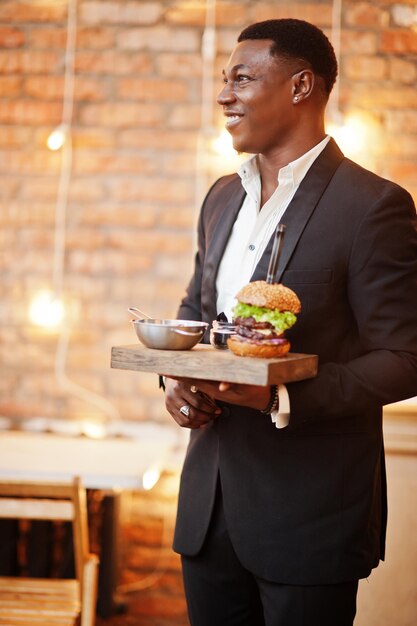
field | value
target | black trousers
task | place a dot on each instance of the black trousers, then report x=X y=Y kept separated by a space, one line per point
x=221 y=592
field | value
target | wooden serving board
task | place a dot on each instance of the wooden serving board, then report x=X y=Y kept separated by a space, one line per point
x=206 y=362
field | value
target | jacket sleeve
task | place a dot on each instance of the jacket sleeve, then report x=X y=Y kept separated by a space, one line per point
x=382 y=291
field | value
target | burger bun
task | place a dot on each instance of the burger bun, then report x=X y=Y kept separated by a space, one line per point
x=270 y=296
x=243 y=347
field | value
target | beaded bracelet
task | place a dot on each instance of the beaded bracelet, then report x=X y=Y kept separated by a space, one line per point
x=273 y=402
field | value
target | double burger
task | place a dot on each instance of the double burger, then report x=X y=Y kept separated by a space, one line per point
x=262 y=313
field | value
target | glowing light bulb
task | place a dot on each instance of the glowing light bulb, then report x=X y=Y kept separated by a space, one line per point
x=46 y=310
x=150 y=478
x=223 y=144
x=355 y=134
x=94 y=430
x=57 y=138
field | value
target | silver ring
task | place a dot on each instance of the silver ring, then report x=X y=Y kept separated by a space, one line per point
x=193 y=389
x=185 y=410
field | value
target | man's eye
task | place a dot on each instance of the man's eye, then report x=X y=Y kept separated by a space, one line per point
x=242 y=78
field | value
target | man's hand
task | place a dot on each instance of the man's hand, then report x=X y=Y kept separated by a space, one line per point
x=188 y=406
x=201 y=395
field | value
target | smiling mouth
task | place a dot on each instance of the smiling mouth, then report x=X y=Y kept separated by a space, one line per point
x=232 y=120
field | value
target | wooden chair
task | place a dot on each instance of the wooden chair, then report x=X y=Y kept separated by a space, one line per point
x=50 y=602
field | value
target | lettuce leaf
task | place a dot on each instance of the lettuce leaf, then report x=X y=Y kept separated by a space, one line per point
x=281 y=320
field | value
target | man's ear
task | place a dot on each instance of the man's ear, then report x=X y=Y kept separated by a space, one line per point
x=302 y=85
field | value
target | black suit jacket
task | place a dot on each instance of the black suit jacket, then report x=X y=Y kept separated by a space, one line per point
x=307 y=504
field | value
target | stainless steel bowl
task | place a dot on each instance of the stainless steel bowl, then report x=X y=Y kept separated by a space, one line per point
x=169 y=334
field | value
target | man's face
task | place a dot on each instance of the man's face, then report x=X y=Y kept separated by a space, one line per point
x=257 y=98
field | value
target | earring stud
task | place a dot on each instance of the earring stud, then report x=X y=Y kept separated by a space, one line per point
x=295 y=99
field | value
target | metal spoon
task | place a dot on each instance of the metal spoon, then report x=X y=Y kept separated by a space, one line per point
x=140 y=315
x=135 y=311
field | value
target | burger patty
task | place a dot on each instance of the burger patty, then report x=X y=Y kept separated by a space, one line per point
x=250 y=322
x=249 y=328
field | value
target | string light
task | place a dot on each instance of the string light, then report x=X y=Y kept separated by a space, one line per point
x=57 y=138
x=150 y=478
x=46 y=310
x=355 y=132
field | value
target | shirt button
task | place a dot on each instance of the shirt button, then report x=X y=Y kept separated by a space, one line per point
x=251 y=247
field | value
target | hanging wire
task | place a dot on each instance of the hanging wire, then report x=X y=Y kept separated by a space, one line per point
x=208 y=57
x=60 y=223
x=336 y=38
x=66 y=154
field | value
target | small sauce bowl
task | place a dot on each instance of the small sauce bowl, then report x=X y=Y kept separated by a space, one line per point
x=220 y=333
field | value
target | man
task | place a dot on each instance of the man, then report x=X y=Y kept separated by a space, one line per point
x=279 y=519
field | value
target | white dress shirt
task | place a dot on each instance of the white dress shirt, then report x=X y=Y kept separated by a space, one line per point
x=251 y=232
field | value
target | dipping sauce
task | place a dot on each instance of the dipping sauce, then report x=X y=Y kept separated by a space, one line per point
x=220 y=333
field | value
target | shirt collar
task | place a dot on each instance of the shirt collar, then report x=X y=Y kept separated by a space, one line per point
x=293 y=173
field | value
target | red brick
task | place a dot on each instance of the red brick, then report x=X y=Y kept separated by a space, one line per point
x=107 y=263
x=187 y=117
x=10 y=86
x=29 y=61
x=180 y=65
x=44 y=87
x=389 y=2
x=401 y=171
x=187 y=14
x=93 y=137
x=365 y=14
x=363 y=67
x=9 y=190
x=29 y=163
x=174 y=163
x=21 y=11
x=383 y=98
x=39 y=189
x=160 y=38
x=112 y=62
x=47 y=38
x=194 y=14
x=180 y=218
x=100 y=162
x=319 y=14
x=29 y=112
x=122 y=115
x=95 y=38
x=116 y=215
x=121 y=12
x=152 y=89
x=226 y=40
x=22 y=212
x=399 y=42
x=87 y=189
x=150 y=241
x=402 y=71
x=172 y=192
x=404 y=146
x=366 y=42
x=157 y=139
x=11 y=37
x=401 y=122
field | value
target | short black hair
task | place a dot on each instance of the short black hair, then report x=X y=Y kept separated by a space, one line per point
x=297 y=39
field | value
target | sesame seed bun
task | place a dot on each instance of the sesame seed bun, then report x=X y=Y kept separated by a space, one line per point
x=271 y=296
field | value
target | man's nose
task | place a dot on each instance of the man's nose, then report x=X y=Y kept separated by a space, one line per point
x=226 y=95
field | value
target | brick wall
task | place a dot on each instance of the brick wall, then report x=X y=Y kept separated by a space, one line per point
x=134 y=189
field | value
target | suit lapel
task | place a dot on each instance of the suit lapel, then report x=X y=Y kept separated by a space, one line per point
x=221 y=233
x=300 y=208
